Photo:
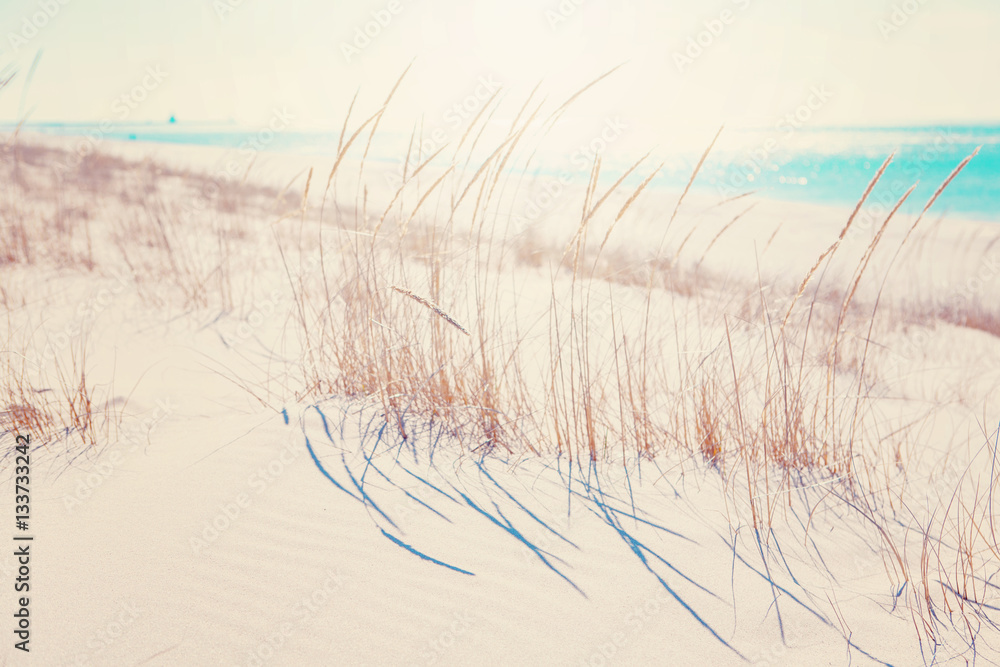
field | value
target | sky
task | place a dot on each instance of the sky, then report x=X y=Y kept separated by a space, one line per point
x=686 y=66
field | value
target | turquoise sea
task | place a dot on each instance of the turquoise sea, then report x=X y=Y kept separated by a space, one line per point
x=830 y=165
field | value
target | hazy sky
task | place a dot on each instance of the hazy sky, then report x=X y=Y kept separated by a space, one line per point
x=241 y=59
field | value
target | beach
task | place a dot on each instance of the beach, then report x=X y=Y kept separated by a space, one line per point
x=281 y=423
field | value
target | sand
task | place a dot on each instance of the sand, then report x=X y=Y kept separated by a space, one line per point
x=221 y=526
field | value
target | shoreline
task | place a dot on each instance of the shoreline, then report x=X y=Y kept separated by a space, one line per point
x=209 y=159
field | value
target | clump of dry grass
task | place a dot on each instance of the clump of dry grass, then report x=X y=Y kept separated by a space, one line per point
x=52 y=400
x=774 y=400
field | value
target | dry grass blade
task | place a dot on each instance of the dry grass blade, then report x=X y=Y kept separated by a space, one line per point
x=833 y=247
x=680 y=200
x=378 y=116
x=937 y=193
x=406 y=180
x=866 y=259
x=487 y=105
x=426 y=303
x=628 y=203
x=722 y=231
x=426 y=194
x=558 y=112
x=589 y=211
x=574 y=242
x=347 y=118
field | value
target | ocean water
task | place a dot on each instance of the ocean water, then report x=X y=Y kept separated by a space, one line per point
x=819 y=165
x=835 y=165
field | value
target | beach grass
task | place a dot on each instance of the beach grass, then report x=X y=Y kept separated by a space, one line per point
x=430 y=300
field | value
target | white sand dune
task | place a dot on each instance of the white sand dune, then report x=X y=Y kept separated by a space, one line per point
x=214 y=529
x=198 y=554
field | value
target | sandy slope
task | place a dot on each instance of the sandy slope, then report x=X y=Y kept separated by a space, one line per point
x=294 y=564
x=210 y=532
x=216 y=539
